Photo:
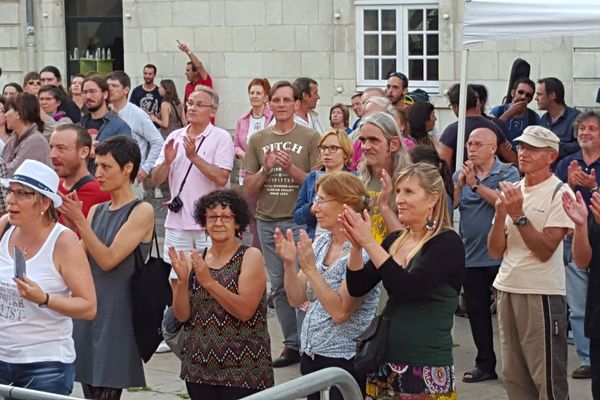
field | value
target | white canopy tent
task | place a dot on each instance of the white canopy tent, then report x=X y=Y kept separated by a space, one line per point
x=490 y=20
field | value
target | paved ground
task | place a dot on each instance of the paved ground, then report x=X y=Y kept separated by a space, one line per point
x=162 y=372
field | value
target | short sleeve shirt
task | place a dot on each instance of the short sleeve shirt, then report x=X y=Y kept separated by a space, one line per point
x=521 y=271
x=277 y=197
x=216 y=149
x=319 y=334
x=476 y=215
x=516 y=126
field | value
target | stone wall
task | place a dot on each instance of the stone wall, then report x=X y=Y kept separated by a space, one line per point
x=282 y=39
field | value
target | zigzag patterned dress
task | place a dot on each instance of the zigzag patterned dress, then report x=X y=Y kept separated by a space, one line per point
x=219 y=349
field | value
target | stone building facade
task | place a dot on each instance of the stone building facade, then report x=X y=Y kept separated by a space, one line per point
x=282 y=39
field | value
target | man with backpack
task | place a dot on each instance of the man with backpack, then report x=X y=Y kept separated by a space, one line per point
x=528 y=231
x=516 y=114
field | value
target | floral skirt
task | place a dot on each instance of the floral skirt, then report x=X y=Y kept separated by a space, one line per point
x=406 y=382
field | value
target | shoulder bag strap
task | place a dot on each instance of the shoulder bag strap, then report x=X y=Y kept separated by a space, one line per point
x=177 y=113
x=190 y=167
x=81 y=182
x=556 y=189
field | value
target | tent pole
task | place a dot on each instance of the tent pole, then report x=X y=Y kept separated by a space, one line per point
x=462 y=110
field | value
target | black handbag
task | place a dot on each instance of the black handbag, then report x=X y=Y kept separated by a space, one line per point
x=150 y=295
x=371 y=345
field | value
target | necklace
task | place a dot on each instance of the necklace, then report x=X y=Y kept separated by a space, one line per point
x=283 y=133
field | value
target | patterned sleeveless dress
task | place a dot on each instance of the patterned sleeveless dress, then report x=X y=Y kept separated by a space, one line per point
x=219 y=349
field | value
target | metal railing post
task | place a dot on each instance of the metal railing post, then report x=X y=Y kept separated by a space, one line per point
x=314 y=382
x=17 y=393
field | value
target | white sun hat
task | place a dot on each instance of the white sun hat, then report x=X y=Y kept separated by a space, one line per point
x=37 y=176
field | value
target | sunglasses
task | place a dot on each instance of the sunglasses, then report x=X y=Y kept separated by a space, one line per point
x=400 y=76
x=34 y=82
x=524 y=92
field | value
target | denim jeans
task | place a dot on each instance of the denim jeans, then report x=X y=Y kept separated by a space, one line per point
x=48 y=376
x=289 y=321
x=577 y=283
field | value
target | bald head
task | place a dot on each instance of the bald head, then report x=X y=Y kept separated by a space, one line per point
x=483 y=134
x=481 y=146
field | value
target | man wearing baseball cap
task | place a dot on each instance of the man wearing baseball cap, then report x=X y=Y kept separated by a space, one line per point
x=528 y=230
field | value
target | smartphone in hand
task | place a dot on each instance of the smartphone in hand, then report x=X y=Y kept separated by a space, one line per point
x=20 y=271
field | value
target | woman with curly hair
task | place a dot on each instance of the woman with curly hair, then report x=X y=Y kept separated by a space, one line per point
x=220 y=296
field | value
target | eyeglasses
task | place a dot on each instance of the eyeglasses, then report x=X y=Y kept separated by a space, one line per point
x=34 y=82
x=224 y=218
x=20 y=194
x=199 y=105
x=319 y=201
x=524 y=92
x=329 y=149
x=476 y=144
x=92 y=92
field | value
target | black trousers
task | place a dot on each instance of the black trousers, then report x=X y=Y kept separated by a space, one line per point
x=477 y=288
x=199 y=391
x=595 y=362
x=308 y=365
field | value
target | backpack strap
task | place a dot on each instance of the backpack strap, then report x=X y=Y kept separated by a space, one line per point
x=86 y=179
x=556 y=189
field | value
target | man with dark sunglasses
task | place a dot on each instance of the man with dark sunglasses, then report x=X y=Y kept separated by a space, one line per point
x=516 y=114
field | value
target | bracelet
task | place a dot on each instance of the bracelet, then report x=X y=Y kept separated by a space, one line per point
x=594 y=189
x=474 y=188
x=189 y=52
x=45 y=303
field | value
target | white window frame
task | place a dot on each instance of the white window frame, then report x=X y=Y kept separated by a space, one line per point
x=401 y=7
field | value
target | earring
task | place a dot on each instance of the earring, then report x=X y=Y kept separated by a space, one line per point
x=430 y=223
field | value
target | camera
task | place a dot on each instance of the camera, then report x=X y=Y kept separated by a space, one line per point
x=175 y=205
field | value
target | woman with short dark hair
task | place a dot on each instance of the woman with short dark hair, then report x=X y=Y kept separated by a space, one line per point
x=221 y=299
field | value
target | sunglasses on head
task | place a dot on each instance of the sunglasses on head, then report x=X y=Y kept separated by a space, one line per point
x=400 y=76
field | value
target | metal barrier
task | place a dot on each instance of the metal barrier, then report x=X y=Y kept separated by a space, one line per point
x=17 y=393
x=314 y=382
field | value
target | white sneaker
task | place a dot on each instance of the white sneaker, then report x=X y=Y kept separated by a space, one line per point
x=158 y=194
x=163 y=348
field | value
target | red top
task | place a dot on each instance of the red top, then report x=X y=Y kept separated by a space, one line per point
x=89 y=194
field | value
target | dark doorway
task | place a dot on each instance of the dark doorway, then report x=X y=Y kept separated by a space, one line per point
x=94 y=31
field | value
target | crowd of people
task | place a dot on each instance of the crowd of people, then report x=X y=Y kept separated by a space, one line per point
x=347 y=223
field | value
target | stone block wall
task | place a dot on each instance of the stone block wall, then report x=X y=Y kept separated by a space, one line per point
x=238 y=40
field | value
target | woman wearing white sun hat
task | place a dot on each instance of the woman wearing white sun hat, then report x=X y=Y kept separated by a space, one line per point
x=36 y=348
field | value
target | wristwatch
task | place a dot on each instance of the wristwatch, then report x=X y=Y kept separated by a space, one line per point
x=521 y=221
x=45 y=303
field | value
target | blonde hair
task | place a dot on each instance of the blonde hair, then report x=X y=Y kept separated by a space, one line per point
x=429 y=179
x=345 y=143
x=51 y=213
x=346 y=188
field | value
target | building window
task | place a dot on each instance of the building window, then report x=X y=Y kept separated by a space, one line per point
x=401 y=38
x=94 y=32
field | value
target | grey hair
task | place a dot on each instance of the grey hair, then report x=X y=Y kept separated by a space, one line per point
x=388 y=126
x=382 y=102
x=214 y=97
x=379 y=91
x=584 y=116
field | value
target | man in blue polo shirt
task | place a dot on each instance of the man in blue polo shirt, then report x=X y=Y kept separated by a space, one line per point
x=475 y=195
x=581 y=171
x=559 y=118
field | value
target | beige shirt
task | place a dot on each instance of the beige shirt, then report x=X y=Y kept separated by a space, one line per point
x=277 y=197
x=521 y=271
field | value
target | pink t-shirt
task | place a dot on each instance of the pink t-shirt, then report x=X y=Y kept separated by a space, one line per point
x=216 y=149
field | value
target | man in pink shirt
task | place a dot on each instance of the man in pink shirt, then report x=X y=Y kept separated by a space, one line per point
x=196 y=160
